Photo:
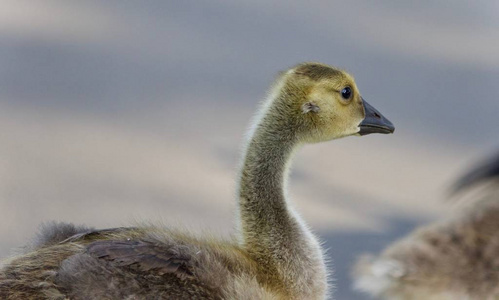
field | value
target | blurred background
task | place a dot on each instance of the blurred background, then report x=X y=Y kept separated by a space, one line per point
x=118 y=111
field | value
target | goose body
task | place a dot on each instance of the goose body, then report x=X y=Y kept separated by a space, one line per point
x=272 y=256
x=457 y=258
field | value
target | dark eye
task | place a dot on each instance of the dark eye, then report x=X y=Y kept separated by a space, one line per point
x=346 y=93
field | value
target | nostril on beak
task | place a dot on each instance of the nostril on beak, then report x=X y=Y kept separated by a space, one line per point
x=377 y=115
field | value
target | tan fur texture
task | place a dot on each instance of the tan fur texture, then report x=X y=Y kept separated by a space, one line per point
x=275 y=256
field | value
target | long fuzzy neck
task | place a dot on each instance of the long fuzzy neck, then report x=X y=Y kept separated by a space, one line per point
x=263 y=206
x=272 y=233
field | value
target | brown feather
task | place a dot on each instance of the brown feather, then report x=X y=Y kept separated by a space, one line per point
x=95 y=234
x=143 y=256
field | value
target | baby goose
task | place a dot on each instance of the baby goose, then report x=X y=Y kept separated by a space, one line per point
x=275 y=256
x=452 y=259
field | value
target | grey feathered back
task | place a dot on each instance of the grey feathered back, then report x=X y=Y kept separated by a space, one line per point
x=51 y=233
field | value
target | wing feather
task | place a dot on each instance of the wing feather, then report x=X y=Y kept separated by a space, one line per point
x=144 y=256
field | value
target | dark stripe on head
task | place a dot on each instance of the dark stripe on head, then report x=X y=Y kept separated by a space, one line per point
x=316 y=71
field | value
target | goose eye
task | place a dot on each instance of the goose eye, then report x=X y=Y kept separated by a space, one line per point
x=346 y=93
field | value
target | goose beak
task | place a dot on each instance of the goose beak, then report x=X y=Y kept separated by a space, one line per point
x=374 y=121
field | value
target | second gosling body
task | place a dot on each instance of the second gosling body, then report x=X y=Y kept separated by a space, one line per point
x=455 y=258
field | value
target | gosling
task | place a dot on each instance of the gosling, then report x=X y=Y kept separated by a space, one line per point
x=456 y=258
x=273 y=256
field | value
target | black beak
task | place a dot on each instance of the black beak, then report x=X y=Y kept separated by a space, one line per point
x=374 y=122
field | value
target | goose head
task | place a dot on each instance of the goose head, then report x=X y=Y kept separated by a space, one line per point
x=325 y=104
